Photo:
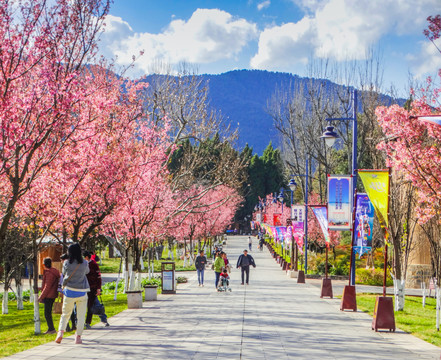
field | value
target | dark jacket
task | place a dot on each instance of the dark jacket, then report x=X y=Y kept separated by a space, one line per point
x=200 y=262
x=49 y=288
x=250 y=259
x=94 y=275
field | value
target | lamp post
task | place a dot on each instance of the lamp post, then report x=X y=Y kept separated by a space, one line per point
x=292 y=185
x=330 y=136
x=349 y=296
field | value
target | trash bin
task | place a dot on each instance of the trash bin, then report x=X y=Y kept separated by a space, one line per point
x=151 y=292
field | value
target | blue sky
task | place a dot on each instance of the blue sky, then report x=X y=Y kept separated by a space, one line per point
x=275 y=35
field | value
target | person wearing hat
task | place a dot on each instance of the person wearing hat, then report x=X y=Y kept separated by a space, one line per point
x=244 y=263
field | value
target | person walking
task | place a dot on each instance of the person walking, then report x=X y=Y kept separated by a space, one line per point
x=49 y=292
x=261 y=242
x=200 y=263
x=94 y=279
x=73 y=317
x=244 y=263
x=250 y=242
x=218 y=265
x=75 y=289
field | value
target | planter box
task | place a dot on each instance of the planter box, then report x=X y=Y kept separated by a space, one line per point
x=134 y=299
x=151 y=292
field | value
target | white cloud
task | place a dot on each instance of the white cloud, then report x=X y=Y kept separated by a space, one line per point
x=263 y=5
x=340 y=29
x=207 y=36
x=427 y=60
x=280 y=47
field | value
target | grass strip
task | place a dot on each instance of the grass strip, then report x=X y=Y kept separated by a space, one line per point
x=414 y=319
x=17 y=327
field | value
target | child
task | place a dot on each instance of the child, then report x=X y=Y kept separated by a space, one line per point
x=224 y=278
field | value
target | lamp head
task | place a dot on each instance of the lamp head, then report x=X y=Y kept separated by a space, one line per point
x=292 y=184
x=330 y=136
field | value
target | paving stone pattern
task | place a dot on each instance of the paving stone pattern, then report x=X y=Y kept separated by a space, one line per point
x=272 y=318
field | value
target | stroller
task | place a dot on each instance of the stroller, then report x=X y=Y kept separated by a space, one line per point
x=224 y=281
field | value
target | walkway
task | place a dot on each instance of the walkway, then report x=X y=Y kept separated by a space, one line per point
x=272 y=318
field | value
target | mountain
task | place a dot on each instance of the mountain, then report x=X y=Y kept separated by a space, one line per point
x=242 y=97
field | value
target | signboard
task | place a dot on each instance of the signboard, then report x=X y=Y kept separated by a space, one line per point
x=277 y=221
x=167 y=280
x=364 y=223
x=339 y=202
x=298 y=213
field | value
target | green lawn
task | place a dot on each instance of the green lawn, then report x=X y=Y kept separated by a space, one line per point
x=415 y=319
x=111 y=265
x=17 y=328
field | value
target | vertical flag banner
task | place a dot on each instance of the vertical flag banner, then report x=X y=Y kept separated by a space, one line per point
x=259 y=218
x=320 y=213
x=364 y=223
x=339 y=202
x=298 y=231
x=298 y=213
x=376 y=184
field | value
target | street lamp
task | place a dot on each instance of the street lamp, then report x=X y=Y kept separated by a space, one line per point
x=330 y=136
x=293 y=185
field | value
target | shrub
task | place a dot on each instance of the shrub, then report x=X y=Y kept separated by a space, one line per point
x=372 y=277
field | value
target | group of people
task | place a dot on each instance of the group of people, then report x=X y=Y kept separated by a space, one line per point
x=79 y=284
x=222 y=268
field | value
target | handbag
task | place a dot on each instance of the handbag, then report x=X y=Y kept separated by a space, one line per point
x=58 y=305
x=98 y=307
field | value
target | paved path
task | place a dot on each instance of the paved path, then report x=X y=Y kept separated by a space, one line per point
x=272 y=318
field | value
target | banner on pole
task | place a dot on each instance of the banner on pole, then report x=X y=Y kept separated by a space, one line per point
x=376 y=184
x=364 y=223
x=320 y=213
x=259 y=218
x=339 y=202
x=298 y=232
x=298 y=213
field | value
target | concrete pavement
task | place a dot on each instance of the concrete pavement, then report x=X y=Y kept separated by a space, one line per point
x=272 y=318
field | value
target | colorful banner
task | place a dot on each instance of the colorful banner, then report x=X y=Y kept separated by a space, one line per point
x=339 y=202
x=265 y=219
x=376 y=184
x=364 y=223
x=281 y=233
x=298 y=213
x=298 y=231
x=320 y=213
x=277 y=221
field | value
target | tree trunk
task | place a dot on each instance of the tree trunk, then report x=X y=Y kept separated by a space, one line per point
x=399 y=287
x=37 y=321
x=5 y=309
x=19 y=292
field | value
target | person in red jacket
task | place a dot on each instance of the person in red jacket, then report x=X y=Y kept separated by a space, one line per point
x=94 y=278
x=49 y=292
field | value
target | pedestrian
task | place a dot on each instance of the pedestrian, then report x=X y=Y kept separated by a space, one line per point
x=226 y=261
x=75 y=289
x=73 y=317
x=261 y=242
x=49 y=292
x=250 y=242
x=244 y=263
x=200 y=263
x=94 y=278
x=218 y=265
